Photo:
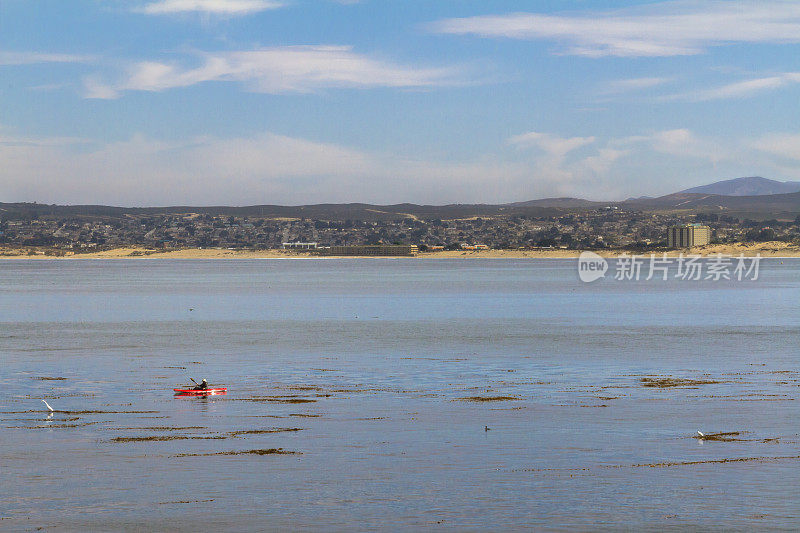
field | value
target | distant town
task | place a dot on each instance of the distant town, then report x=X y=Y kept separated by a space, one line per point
x=595 y=229
x=733 y=211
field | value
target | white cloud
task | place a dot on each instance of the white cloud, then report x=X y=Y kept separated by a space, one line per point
x=214 y=7
x=95 y=88
x=781 y=144
x=565 y=172
x=32 y=58
x=270 y=168
x=681 y=143
x=600 y=163
x=740 y=89
x=276 y=169
x=276 y=70
x=265 y=168
x=662 y=29
x=557 y=147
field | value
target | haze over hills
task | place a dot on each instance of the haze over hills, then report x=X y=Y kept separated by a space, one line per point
x=749 y=186
x=730 y=199
x=757 y=207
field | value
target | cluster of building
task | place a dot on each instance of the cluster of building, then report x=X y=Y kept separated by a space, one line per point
x=589 y=229
x=359 y=250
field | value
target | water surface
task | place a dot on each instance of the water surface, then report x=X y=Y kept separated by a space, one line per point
x=368 y=371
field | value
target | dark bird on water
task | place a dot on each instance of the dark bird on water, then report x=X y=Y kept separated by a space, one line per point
x=486 y=428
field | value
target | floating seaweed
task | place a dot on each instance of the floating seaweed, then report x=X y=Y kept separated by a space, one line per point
x=185 y=501
x=59 y=426
x=168 y=437
x=764 y=459
x=262 y=431
x=489 y=398
x=664 y=382
x=95 y=412
x=160 y=428
x=665 y=464
x=267 y=451
x=725 y=436
x=278 y=400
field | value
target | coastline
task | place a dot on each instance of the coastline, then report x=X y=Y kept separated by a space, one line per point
x=765 y=249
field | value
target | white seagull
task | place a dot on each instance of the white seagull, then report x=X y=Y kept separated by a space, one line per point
x=48 y=406
x=700 y=433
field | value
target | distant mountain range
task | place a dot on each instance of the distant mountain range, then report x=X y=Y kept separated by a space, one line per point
x=751 y=197
x=757 y=207
x=752 y=186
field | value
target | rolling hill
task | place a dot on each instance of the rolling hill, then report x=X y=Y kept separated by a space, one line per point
x=750 y=186
x=731 y=200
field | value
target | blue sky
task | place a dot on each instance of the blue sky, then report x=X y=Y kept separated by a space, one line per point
x=155 y=102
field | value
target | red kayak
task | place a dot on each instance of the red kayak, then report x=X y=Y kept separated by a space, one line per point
x=211 y=391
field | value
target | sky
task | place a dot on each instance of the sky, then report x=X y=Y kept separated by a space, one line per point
x=243 y=102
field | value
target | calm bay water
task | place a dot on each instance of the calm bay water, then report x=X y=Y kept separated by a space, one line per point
x=369 y=370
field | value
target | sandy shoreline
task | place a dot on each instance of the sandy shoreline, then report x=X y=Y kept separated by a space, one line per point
x=766 y=249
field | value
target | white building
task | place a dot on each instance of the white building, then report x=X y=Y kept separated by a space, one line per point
x=299 y=245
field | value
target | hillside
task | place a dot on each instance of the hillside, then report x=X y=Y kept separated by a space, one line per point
x=759 y=207
x=749 y=186
x=759 y=204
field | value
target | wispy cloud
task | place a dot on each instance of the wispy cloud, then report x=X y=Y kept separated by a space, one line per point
x=213 y=7
x=662 y=29
x=555 y=146
x=276 y=70
x=570 y=166
x=785 y=145
x=739 y=89
x=33 y=58
x=681 y=143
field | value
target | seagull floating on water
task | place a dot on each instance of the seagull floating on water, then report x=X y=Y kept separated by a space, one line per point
x=48 y=406
x=700 y=433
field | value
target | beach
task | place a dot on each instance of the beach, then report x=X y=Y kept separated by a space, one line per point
x=764 y=249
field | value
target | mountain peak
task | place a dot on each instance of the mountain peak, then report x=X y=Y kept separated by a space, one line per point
x=748 y=186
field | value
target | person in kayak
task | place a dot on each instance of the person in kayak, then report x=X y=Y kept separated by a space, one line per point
x=203 y=385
